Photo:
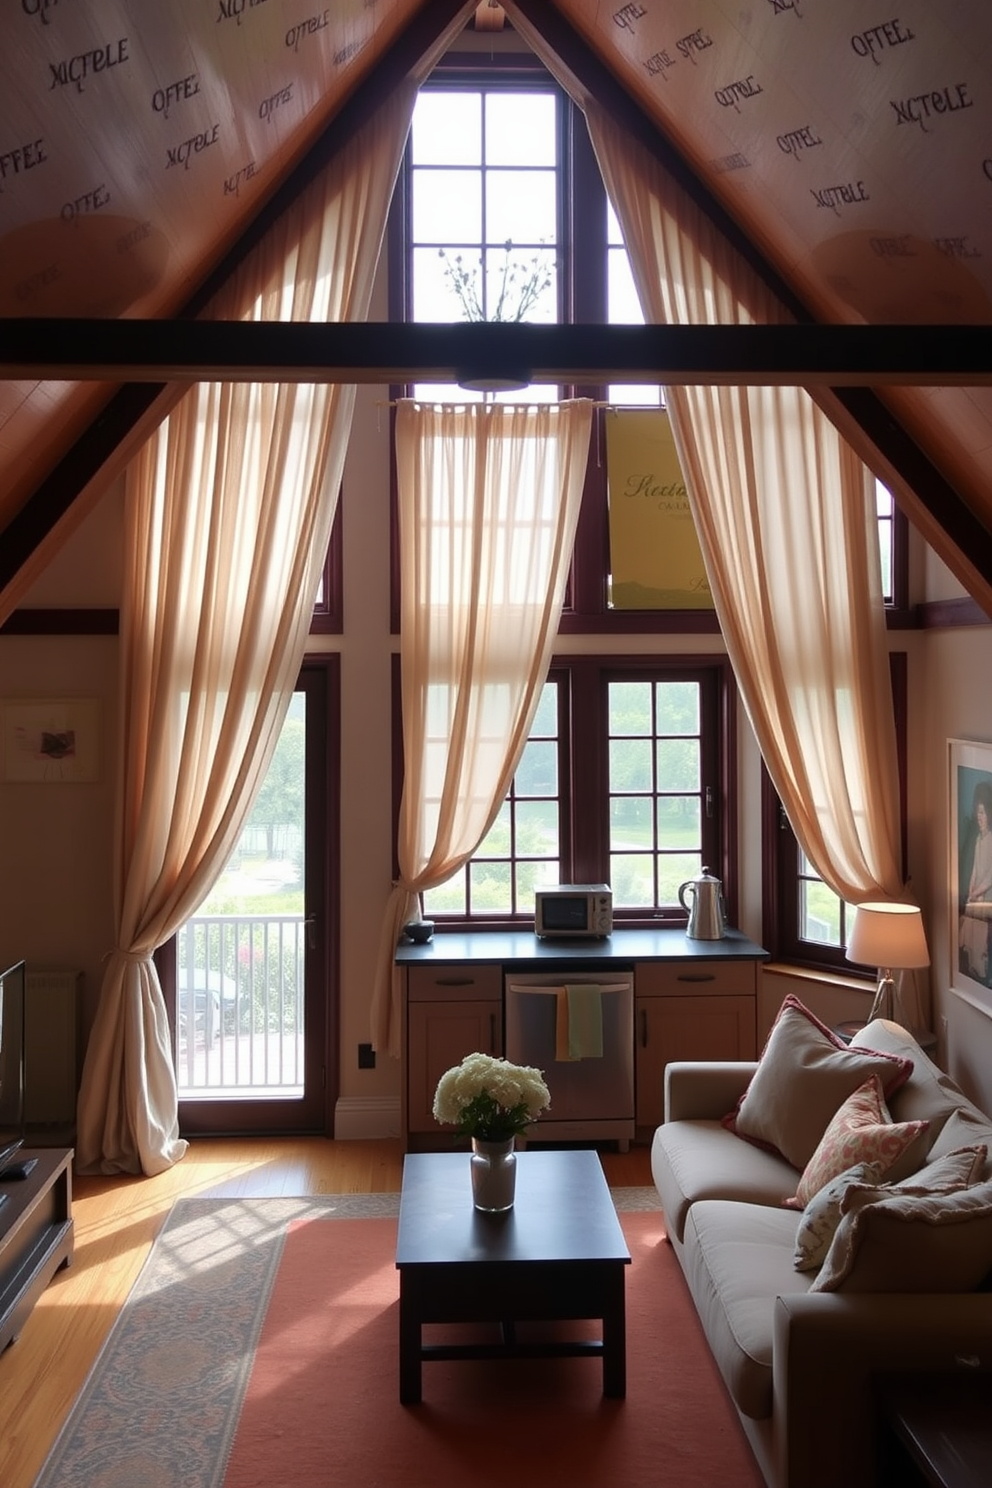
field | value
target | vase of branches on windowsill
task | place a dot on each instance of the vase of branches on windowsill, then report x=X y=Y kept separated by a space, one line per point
x=515 y=289
x=492 y=1102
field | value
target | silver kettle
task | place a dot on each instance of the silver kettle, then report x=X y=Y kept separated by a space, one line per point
x=707 y=920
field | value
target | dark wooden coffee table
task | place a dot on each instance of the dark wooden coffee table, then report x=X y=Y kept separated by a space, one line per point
x=558 y=1253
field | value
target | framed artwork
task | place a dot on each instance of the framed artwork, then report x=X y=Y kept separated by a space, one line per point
x=970 y=908
x=50 y=740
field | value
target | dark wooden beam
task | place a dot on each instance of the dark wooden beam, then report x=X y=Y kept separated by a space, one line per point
x=381 y=352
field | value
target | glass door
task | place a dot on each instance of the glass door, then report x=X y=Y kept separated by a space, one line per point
x=250 y=976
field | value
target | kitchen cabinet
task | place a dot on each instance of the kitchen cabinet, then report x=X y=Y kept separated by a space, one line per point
x=697 y=1010
x=451 y=1011
x=693 y=1000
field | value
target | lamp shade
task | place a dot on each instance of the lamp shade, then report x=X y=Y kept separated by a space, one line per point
x=888 y=935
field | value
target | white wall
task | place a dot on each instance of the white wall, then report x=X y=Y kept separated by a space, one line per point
x=952 y=702
x=56 y=838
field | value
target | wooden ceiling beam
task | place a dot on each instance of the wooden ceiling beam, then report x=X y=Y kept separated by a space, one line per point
x=386 y=352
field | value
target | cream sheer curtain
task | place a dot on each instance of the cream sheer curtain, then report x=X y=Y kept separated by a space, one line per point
x=489 y=497
x=229 y=512
x=786 y=518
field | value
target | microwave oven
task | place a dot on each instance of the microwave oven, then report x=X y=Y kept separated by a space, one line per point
x=569 y=910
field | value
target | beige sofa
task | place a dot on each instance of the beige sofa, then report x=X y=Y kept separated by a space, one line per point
x=799 y=1363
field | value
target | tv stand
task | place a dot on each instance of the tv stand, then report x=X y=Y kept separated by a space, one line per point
x=36 y=1235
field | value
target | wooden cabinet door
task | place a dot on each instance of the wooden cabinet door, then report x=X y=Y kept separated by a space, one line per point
x=671 y=1028
x=440 y=1034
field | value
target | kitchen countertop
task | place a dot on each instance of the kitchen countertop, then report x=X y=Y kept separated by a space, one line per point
x=523 y=948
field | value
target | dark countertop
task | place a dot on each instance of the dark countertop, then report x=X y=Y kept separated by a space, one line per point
x=522 y=948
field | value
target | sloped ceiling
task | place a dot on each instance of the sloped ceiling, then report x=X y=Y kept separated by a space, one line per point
x=138 y=142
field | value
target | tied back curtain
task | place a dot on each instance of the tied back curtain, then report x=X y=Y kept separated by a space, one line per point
x=489 y=498
x=786 y=518
x=229 y=508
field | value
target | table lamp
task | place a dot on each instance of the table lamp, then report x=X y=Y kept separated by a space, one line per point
x=887 y=936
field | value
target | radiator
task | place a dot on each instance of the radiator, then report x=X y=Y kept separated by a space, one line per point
x=51 y=1003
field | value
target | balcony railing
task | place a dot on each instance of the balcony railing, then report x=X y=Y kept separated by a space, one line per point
x=239 y=1007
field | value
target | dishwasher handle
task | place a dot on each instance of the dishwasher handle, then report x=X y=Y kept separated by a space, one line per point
x=551 y=989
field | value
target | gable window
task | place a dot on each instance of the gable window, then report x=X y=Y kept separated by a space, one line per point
x=483 y=205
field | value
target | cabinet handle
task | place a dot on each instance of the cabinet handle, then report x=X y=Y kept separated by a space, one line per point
x=695 y=976
x=455 y=981
x=644 y=1028
x=492 y=1033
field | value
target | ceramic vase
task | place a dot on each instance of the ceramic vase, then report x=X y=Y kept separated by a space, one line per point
x=494 y=1175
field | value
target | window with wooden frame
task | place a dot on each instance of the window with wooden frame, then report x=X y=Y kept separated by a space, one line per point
x=804 y=921
x=459 y=239
x=624 y=781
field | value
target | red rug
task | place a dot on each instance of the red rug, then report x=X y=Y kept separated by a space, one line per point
x=322 y=1407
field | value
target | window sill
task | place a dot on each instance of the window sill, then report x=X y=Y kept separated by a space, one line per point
x=818 y=977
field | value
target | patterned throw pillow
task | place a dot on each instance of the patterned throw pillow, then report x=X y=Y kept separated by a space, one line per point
x=860 y=1185
x=804 y=1074
x=899 y=1241
x=860 y=1131
x=822 y=1214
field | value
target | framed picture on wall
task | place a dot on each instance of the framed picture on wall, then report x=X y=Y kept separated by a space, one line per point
x=970 y=908
x=49 y=740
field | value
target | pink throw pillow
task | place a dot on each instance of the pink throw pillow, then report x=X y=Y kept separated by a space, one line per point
x=862 y=1131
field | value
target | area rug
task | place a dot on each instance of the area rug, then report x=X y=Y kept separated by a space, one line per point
x=258 y=1349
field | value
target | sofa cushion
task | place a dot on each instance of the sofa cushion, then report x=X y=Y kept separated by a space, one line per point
x=860 y=1131
x=963 y=1128
x=928 y=1094
x=692 y=1160
x=737 y=1261
x=823 y=1213
x=910 y=1242
x=804 y=1074
x=821 y=1216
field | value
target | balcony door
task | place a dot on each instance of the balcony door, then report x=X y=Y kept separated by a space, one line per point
x=251 y=978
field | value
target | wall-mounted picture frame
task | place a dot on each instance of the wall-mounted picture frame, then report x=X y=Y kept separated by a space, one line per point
x=50 y=740
x=970 y=877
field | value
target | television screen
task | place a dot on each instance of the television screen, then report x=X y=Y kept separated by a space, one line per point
x=12 y=983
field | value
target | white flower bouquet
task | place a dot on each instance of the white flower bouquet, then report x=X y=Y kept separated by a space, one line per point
x=490 y=1099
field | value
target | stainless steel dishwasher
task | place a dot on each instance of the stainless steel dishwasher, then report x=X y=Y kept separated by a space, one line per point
x=592 y=1095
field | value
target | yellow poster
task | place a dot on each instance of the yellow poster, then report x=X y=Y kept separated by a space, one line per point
x=655 y=558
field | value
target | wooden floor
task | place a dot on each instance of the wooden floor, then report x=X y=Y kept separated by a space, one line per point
x=116 y=1221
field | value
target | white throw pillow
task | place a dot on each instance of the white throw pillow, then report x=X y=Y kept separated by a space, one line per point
x=822 y=1214
x=826 y=1208
x=912 y=1238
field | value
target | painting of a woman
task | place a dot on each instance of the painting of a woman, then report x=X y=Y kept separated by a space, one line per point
x=976 y=916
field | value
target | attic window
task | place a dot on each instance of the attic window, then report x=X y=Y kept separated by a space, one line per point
x=484 y=209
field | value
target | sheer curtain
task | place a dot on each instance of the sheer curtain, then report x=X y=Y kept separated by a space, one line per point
x=786 y=518
x=228 y=514
x=489 y=497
